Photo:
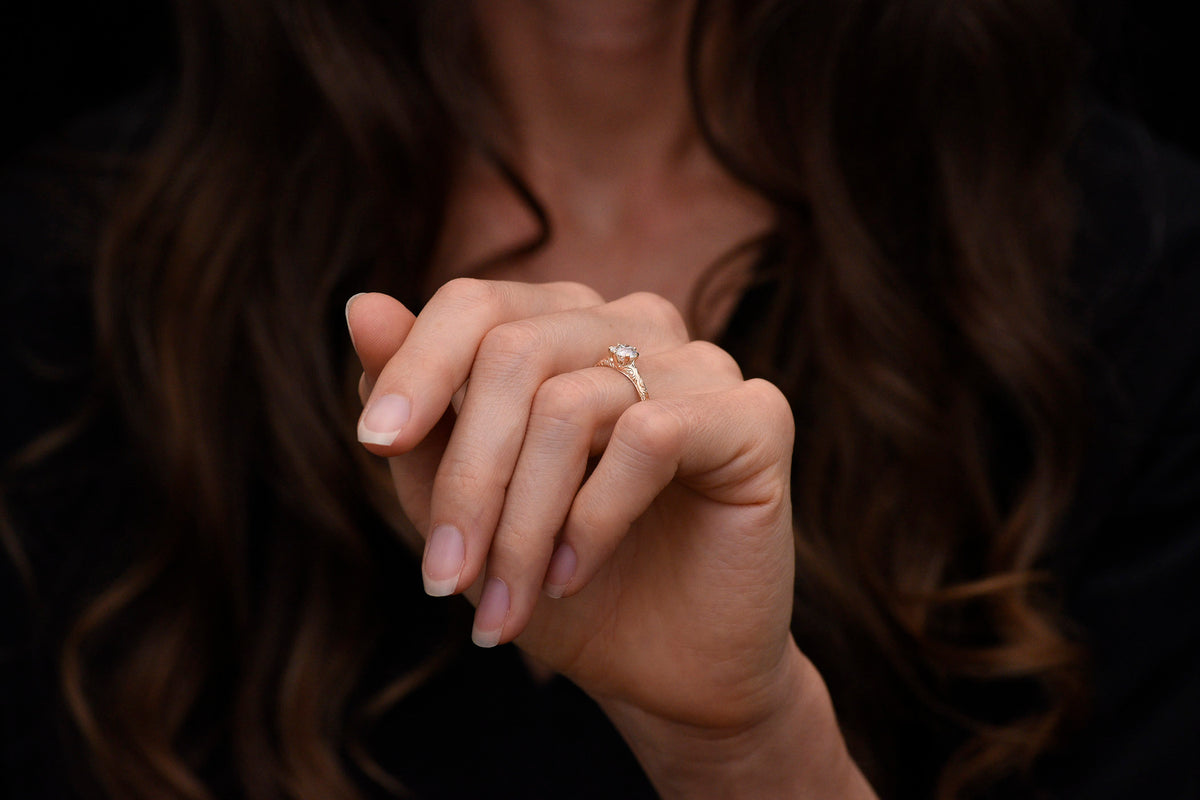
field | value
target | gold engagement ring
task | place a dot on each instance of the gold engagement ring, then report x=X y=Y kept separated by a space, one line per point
x=623 y=358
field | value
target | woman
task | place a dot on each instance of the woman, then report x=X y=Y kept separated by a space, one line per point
x=873 y=573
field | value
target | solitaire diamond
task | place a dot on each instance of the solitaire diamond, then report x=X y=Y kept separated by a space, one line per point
x=623 y=353
x=622 y=358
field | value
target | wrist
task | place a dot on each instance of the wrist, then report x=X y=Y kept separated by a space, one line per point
x=789 y=746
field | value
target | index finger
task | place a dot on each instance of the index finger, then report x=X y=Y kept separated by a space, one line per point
x=378 y=326
x=414 y=389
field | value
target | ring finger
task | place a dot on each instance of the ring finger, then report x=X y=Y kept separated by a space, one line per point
x=572 y=416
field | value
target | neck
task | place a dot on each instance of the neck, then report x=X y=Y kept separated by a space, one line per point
x=596 y=89
x=596 y=118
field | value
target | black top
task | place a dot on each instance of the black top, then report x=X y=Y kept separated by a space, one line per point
x=1128 y=557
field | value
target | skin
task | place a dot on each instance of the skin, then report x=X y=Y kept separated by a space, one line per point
x=642 y=549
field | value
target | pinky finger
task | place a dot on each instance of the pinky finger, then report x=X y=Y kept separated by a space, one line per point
x=732 y=447
x=641 y=459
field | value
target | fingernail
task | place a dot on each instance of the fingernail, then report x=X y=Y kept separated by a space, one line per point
x=490 y=616
x=562 y=569
x=383 y=419
x=349 y=303
x=443 y=560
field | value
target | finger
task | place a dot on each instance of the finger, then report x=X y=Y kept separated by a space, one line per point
x=378 y=326
x=414 y=388
x=513 y=360
x=569 y=414
x=732 y=447
x=413 y=475
x=365 y=384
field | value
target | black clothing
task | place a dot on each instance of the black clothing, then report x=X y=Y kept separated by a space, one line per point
x=1128 y=557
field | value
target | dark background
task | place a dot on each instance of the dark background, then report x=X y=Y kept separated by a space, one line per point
x=61 y=59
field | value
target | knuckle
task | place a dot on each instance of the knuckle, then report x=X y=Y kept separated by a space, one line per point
x=470 y=474
x=714 y=359
x=520 y=340
x=509 y=551
x=590 y=523
x=580 y=293
x=660 y=309
x=563 y=400
x=767 y=398
x=651 y=430
x=468 y=293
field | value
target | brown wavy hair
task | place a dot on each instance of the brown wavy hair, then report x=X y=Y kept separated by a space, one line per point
x=907 y=302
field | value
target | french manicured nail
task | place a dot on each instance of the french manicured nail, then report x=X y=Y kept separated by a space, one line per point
x=383 y=419
x=443 y=560
x=562 y=569
x=490 y=616
x=349 y=303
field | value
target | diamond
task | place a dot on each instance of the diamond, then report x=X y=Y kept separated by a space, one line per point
x=623 y=353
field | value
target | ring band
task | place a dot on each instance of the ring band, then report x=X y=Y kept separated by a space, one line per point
x=622 y=358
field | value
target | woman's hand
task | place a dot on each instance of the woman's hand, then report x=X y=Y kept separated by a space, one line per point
x=659 y=579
